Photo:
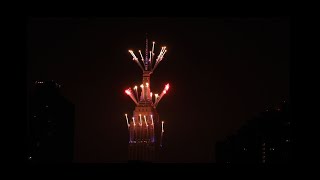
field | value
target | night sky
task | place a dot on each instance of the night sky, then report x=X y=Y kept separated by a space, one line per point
x=222 y=72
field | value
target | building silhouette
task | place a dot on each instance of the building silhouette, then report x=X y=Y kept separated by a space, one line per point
x=145 y=129
x=266 y=139
x=50 y=125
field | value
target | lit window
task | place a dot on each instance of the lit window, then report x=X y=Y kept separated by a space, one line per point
x=271 y=149
x=287 y=140
x=46 y=105
x=34 y=116
x=29 y=157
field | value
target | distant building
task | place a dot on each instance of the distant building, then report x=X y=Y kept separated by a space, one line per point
x=146 y=131
x=50 y=125
x=266 y=139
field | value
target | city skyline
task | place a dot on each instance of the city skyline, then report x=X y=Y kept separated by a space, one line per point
x=223 y=71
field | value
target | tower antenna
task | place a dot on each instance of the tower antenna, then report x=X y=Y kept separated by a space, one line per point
x=146 y=60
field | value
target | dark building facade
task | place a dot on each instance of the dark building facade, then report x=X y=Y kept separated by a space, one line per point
x=266 y=139
x=50 y=125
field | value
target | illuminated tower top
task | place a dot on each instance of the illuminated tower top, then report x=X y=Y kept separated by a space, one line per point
x=145 y=129
x=149 y=63
x=148 y=66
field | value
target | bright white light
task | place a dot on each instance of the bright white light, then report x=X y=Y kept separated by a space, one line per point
x=140 y=120
x=134 y=123
x=167 y=86
x=127 y=91
x=127 y=120
x=145 y=120
x=162 y=126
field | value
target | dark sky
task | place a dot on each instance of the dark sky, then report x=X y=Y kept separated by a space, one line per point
x=222 y=72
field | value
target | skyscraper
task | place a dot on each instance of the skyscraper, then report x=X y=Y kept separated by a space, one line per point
x=145 y=128
x=50 y=125
x=266 y=139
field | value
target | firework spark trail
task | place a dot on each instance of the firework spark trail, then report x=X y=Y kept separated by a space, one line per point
x=162 y=130
x=127 y=120
x=134 y=122
x=152 y=52
x=140 y=120
x=135 y=59
x=136 y=90
x=150 y=57
x=160 y=57
x=155 y=97
x=129 y=93
x=141 y=55
x=145 y=120
x=142 y=92
x=161 y=134
x=162 y=94
x=153 y=47
x=151 y=119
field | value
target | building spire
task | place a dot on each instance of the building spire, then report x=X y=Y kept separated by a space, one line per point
x=146 y=60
